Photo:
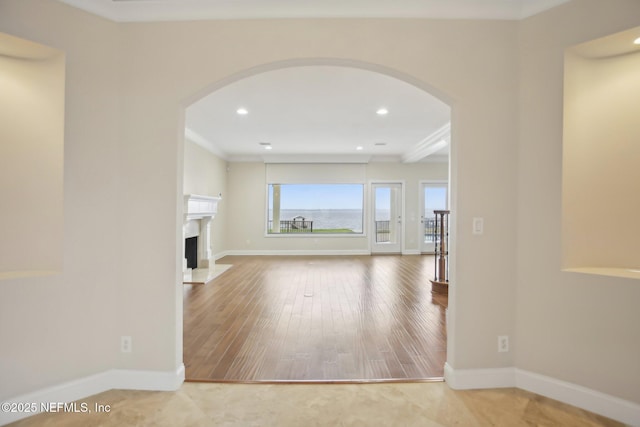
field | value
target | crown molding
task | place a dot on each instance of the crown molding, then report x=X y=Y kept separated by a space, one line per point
x=191 y=10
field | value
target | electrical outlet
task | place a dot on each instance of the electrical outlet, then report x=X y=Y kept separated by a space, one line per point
x=125 y=344
x=503 y=343
x=478 y=226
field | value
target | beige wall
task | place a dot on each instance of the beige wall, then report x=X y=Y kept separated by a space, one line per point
x=156 y=83
x=247 y=201
x=57 y=328
x=153 y=85
x=570 y=326
x=206 y=174
x=127 y=86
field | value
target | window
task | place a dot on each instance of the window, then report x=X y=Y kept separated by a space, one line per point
x=315 y=209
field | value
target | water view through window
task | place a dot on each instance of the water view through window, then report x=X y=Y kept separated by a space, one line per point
x=315 y=208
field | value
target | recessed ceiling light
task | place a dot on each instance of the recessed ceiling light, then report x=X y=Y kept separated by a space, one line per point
x=268 y=147
x=359 y=148
x=242 y=111
x=637 y=41
x=382 y=111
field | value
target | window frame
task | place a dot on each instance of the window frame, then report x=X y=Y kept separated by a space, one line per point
x=267 y=219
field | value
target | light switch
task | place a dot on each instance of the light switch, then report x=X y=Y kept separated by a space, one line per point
x=478 y=225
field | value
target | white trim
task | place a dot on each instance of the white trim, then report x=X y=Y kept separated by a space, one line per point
x=582 y=397
x=66 y=392
x=411 y=252
x=572 y=394
x=203 y=142
x=198 y=207
x=185 y=10
x=316 y=158
x=421 y=186
x=88 y=386
x=465 y=379
x=370 y=218
x=221 y=255
x=362 y=235
x=242 y=252
x=294 y=252
x=439 y=139
x=125 y=379
x=628 y=273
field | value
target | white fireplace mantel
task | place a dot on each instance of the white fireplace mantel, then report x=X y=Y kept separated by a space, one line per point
x=199 y=211
x=198 y=207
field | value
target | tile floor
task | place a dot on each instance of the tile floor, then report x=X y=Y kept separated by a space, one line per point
x=282 y=405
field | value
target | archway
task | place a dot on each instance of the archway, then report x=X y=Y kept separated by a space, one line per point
x=341 y=63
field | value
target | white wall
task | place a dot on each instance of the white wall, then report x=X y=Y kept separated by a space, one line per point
x=574 y=327
x=206 y=174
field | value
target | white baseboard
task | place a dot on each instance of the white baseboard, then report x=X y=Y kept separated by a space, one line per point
x=121 y=379
x=459 y=379
x=242 y=252
x=299 y=252
x=147 y=380
x=582 y=397
x=411 y=252
x=562 y=391
x=465 y=379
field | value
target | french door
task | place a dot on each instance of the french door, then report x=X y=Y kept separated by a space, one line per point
x=386 y=214
x=434 y=196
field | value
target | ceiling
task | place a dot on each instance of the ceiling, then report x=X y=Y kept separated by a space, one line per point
x=181 y=10
x=318 y=113
x=321 y=113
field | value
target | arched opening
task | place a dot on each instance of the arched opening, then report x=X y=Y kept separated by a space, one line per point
x=289 y=169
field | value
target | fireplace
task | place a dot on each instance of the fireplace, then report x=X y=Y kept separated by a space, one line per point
x=191 y=251
x=199 y=211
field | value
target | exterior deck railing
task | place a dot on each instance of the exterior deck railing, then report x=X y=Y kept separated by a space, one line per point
x=430 y=234
x=293 y=226
x=382 y=228
x=382 y=231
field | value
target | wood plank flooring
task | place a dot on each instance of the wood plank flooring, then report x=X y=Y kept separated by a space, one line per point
x=328 y=318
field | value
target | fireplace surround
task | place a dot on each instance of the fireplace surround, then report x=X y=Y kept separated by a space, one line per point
x=199 y=212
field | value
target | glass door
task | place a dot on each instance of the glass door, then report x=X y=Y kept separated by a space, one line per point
x=434 y=196
x=386 y=227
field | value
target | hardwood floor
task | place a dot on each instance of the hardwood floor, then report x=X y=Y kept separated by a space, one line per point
x=329 y=318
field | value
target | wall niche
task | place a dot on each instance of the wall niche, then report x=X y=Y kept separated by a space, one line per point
x=601 y=156
x=32 y=80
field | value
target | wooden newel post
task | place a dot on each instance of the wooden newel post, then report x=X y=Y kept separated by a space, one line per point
x=440 y=284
